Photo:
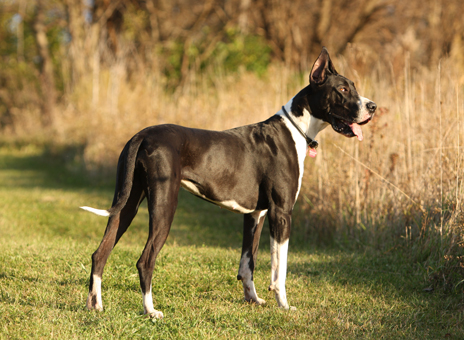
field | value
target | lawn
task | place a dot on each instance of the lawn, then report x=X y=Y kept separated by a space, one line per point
x=46 y=243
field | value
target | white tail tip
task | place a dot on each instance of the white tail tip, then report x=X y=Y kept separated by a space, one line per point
x=100 y=212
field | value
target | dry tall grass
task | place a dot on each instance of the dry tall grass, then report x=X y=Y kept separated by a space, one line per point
x=404 y=181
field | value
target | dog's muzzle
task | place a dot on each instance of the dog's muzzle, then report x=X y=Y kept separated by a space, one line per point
x=371 y=107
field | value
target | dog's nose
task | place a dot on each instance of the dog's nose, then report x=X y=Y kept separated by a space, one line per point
x=371 y=106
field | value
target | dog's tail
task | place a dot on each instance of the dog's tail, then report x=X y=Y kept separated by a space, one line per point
x=126 y=168
x=99 y=212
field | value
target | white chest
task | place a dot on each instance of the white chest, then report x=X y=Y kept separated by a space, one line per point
x=312 y=126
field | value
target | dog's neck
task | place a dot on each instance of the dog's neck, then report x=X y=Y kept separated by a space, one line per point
x=307 y=122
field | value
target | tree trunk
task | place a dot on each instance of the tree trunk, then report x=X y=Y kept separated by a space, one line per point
x=76 y=27
x=46 y=79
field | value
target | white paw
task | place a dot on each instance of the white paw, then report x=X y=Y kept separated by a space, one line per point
x=257 y=301
x=287 y=307
x=260 y=302
x=93 y=303
x=156 y=314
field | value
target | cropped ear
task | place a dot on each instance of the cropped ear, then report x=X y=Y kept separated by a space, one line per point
x=320 y=68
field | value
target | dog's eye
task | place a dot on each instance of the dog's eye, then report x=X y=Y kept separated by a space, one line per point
x=344 y=89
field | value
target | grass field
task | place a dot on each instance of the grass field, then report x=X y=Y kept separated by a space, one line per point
x=46 y=243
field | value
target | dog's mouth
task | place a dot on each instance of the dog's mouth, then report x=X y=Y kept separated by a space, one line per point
x=349 y=129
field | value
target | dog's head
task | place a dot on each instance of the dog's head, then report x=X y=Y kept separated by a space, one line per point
x=335 y=99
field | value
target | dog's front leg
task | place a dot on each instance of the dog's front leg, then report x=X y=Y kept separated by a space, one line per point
x=280 y=231
x=279 y=253
x=252 y=226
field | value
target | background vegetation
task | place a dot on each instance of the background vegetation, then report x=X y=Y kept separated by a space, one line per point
x=78 y=78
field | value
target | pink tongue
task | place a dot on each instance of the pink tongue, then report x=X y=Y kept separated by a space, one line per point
x=357 y=131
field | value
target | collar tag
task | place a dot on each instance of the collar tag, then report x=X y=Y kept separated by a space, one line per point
x=312 y=152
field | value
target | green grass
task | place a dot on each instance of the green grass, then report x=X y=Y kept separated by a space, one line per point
x=46 y=243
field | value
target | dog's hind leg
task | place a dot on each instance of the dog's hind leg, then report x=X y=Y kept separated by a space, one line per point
x=252 y=226
x=117 y=225
x=162 y=202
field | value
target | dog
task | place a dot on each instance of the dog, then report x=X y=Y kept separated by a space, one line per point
x=255 y=170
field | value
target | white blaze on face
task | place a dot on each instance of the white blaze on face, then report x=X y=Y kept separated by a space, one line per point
x=363 y=115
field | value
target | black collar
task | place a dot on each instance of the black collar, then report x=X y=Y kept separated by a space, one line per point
x=311 y=143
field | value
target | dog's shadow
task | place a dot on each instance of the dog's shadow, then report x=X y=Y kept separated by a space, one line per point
x=197 y=223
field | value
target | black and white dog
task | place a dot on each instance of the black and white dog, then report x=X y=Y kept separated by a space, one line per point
x=255 y=170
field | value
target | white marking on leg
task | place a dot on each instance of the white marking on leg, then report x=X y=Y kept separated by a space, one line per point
x=245 y=273
x=281 y=294
x=273 y=264
x=249 y=289
x=94 y=300
x=279 y=271
x=148 y=306
x=99 y=212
